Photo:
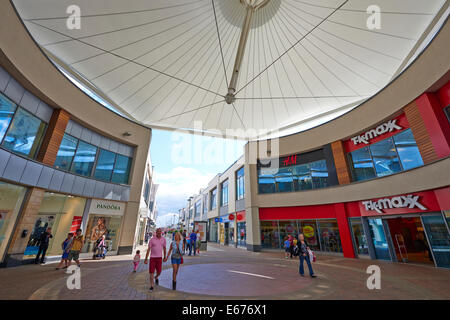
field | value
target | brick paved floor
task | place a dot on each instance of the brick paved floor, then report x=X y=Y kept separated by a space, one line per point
x=218 y=274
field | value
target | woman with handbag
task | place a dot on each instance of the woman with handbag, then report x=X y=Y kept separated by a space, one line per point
x=305 y=255
x=176 y=258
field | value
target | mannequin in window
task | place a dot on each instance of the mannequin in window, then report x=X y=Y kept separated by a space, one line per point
x=99 y=230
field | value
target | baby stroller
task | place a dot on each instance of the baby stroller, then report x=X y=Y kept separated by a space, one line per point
x=100 y=250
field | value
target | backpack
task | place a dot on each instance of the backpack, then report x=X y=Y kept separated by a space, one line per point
x=296 y=251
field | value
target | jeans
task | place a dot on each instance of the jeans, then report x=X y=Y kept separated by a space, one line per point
x=192 y=246
x=43 y=250
x=302 y=271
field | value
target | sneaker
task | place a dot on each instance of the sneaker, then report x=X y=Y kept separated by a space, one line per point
x=313 y=276
x=151 y=289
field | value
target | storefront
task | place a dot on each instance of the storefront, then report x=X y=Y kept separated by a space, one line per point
x=11 y=199
x=213 y=229
x=105 y=218
x=240 y=228
x=61 y=213
x=408 y=228
x=405 y=228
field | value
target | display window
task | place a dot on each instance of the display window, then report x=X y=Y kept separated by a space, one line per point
x=359 y=237
x=99 y=226
x=60 y=212
x=11 y=199
x=241 y=234
x=212 y=230
x=330 y=239
x=270 y=236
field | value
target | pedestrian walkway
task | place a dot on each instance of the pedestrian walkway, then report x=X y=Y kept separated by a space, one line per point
x=228 y=274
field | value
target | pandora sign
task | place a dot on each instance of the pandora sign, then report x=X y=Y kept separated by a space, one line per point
x=381 y=129
x=408 y=201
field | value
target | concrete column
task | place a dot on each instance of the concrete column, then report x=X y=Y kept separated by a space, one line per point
x=129 y=225
x=26 y=221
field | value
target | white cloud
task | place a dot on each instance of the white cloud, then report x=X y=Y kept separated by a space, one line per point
x=176 y=186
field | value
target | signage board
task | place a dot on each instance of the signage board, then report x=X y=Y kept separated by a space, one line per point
x=109 y=208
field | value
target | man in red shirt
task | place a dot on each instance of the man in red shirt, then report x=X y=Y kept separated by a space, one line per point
x=156 y=245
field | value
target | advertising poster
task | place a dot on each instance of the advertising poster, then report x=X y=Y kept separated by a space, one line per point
x=42 y=223
x=201 y=226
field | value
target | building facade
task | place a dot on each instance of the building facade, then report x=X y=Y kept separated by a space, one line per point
x=66 y=161
x=373 y=183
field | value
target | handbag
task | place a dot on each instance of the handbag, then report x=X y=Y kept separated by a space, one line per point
x=312 y=256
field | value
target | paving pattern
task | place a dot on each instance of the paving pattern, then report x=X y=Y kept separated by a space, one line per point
x=230 y=274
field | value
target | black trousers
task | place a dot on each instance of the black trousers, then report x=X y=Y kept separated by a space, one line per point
x=43 y=251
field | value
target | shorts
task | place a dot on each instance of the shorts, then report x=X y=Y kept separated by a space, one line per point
x=73 y=255
x=155 y=263
x=176 y=261
x=65 y=255
x=287 y=249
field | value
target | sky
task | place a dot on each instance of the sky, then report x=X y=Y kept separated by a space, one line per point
x=185 y=163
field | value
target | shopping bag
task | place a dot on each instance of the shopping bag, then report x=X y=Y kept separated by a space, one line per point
x=312 y=256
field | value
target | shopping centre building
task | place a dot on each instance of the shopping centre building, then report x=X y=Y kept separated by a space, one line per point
x=344 y=104
x=66 y=161
x=373 y=183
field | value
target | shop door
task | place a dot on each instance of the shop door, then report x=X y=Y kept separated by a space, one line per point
x=379 y=239
x=226 y=233
x=409 y=240
x=439 y=239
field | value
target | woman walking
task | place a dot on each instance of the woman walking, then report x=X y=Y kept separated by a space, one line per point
x=65 y=255
x=304 y=255
x=176 y=258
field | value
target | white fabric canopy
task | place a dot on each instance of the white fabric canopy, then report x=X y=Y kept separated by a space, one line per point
x=168 y=63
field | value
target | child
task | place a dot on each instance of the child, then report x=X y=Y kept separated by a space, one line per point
x=136 y=260
x=65 y=248
x=287 y=245
x=199 y=242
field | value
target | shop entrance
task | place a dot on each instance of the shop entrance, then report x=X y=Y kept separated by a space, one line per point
x=227 y=234
x=409 y=240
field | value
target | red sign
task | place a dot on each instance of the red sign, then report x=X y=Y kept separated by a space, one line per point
x=76 y=224
x=231 y=216
x=403 y=204
x=376 y=134
x=289 y=161
x=240 y=216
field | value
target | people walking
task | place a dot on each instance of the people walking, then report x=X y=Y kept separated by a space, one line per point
x=176 y=258
x=304 y=255
x=291 y=245
x=75 y=247
x=65 y=247
x=286 y=247
x=193 y=237
x=43 y=245
x=156 y=245
x=136 y=260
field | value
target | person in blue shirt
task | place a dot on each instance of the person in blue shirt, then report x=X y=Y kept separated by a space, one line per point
x=193 y=241
x=287 y=245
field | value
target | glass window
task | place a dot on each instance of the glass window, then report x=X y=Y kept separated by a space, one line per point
x=99 y=225
x=329 y=235
x=385 y=157
x=359 y=237
x=270 y=237
x=379 y=239
x=121 y=169
x=212 y=231
x=284 y=180
x=105 y=165
x=362 y=164
x=224 y=197
x=309 y=230
x=287 y=228
x=266 y=180
x=7 y=109
x=11 y=197
x=61 y=213
x=66 y=152
x=84 y=159
x=213 y=199
x=197 y=209
x=205 y=206
x=240 y=184
x=407 y=150
x=241 y=234
x=302 y=177
x=24 y=134
x=439 y=238
x=319 y=174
